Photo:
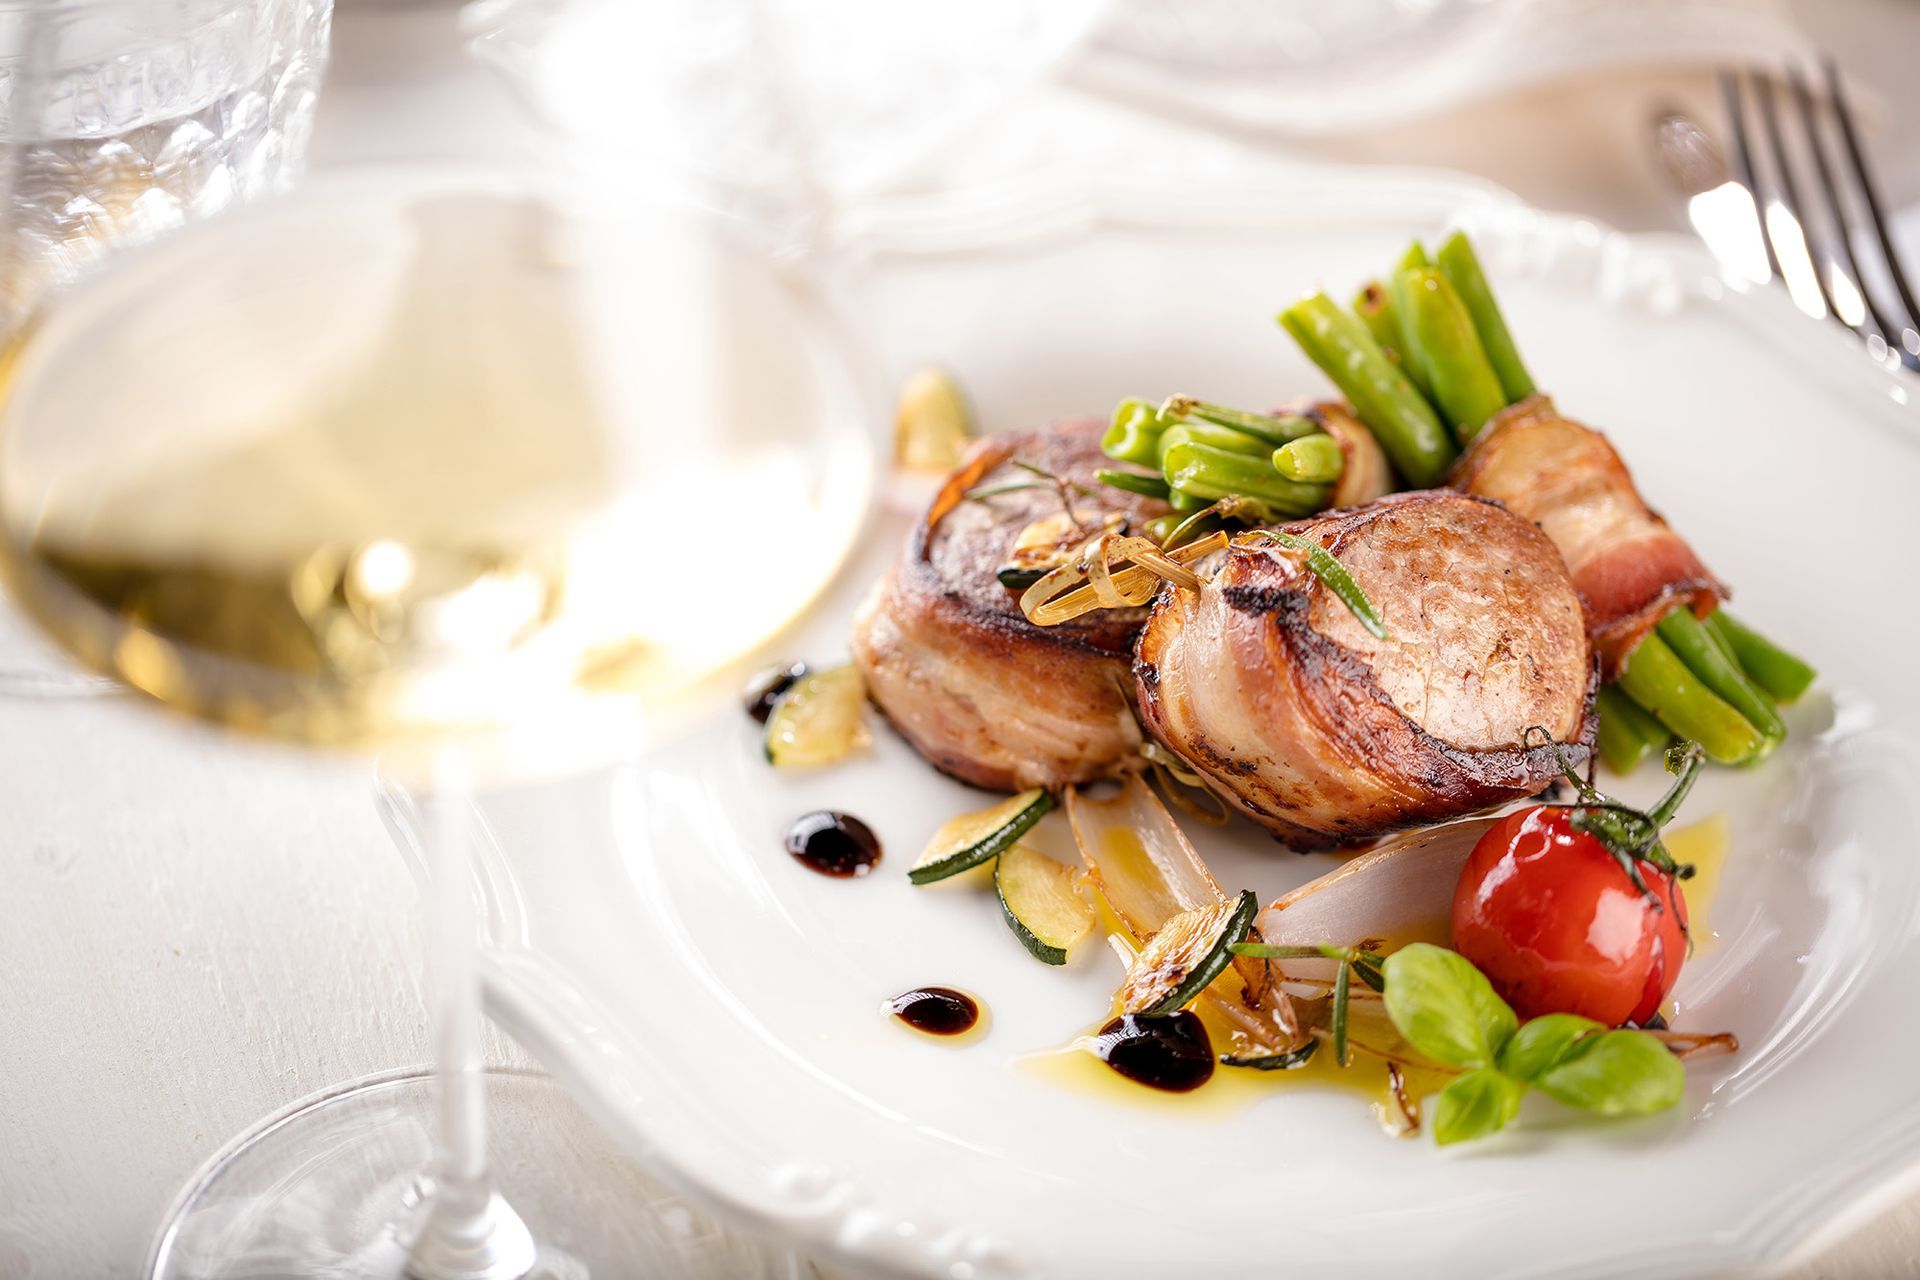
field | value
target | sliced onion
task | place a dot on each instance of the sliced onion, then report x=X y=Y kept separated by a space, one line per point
x=1090 y=580
x=1401 y=886
x=1366 y=476
x=1100 y=575
x=1404 y=884
x=1140 y=862
x=1148 y=873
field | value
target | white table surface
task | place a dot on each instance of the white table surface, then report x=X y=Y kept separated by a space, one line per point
x=193 y=934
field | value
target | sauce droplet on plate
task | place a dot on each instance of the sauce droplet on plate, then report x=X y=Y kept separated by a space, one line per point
x=1170 y=1052
x=834 y=844
x=765 y=689
x=938 y=1011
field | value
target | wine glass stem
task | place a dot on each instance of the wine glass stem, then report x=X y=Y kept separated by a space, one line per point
x=470 y=1232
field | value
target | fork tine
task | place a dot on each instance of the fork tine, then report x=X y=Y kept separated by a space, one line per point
x=1876 y=213
x=1743 y=161
x=1839 y=243
x=1787 y=192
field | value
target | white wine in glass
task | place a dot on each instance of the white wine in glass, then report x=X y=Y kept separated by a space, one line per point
x=440 y=468
x=373 y=466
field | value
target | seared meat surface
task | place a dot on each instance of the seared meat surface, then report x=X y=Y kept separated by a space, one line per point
x=1296 y=715
x=1629 y=565
x=977 y=689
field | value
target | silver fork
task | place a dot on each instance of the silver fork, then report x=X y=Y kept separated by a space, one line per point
x=1817 y=248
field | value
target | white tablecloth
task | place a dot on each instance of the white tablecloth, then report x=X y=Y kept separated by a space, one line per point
x=194 y=934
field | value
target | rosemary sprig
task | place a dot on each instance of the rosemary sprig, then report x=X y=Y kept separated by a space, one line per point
x=1046 y=480
x=1287 y=1061
x=1333 y=574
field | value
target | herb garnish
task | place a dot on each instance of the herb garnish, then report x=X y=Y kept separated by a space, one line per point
x=1447 y=1010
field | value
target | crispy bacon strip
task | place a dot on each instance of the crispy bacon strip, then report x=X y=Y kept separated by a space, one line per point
x=1631 y=567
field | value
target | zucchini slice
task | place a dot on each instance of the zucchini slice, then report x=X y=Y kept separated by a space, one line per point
x=1043 y=905
x=931 y=426
x=820 y=719
x=973 y=838
x=1016 y=579
x=1187 y=953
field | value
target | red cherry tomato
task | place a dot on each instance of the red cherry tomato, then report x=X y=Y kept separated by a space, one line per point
x=1550 y=916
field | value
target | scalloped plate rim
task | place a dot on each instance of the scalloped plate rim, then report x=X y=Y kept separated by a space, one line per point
x=1768 y=1236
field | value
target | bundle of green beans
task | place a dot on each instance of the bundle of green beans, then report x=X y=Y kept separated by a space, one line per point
x=1426 y=360
x=1717 y=680
x=1424 y=357
x=1201 y=453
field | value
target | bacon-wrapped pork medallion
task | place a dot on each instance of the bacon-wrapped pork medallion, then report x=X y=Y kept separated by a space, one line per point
x=1631 y=567
x=1295 y=713
x=978 y=690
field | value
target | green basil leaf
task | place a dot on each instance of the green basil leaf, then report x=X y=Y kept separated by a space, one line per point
x=1445 y=1007
x=1475 y=1105
x=1618 y=1073
x=1545 y=1042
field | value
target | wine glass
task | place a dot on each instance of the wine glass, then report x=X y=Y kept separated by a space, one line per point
x=476 y=472
x=128 y=119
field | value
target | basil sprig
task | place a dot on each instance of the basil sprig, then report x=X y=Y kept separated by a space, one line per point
x=1448 y=1011
x=1475 y=1104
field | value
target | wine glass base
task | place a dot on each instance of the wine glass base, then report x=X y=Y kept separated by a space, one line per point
x=334 y=1188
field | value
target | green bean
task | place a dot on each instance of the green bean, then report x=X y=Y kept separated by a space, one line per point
x=1188 y=503
x=1134 y=482
x=1627 y=733
x=1315 y=459
x=1200 y=471
x=1780 y=673
x=1161 y=528
x=1374 y=305
x=1461 y=266
x=1275 y=429
x=1694 y=645
x=1188 y=431
x=1720 y=642
x=1397 y=414
x=1415 y=257
x=1134 y=434
x=1655 y=678
x=1375 y=310
x=1442 y=344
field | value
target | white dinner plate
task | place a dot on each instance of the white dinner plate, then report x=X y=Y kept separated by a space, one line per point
x=718 y=1005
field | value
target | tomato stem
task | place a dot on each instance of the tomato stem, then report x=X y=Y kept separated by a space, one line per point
x=1631 y=835
x=1684 y=762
